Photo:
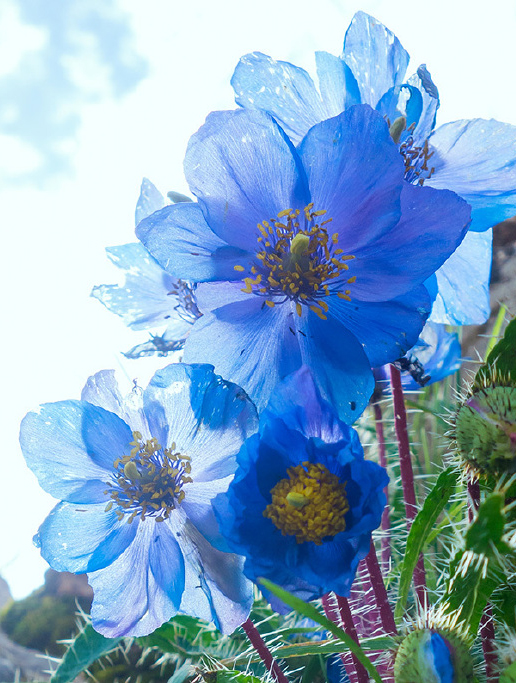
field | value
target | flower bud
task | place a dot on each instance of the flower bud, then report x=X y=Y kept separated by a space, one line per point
x=485 y=430
x=427 y=656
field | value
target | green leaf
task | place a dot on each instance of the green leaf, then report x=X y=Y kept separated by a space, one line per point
x=309 y=611
x=87 y=647
x=486 y=531
x=236 y=677
x=420 y=530
x=182 y=673
x=327 y=647
x=502 y=358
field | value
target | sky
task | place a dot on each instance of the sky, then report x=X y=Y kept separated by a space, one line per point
x=96 y=94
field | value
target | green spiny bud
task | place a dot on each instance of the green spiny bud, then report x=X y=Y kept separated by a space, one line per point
x=428 y=656
x=485 y=430
x=508 y=675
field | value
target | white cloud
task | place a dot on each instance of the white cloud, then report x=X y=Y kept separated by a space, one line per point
x=16 y=38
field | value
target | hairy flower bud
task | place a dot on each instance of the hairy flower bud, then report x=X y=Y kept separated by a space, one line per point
x=427 y=656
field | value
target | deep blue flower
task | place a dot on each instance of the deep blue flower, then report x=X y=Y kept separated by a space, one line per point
x=303 y=502
x=149 y=298
x=136 y=477
x=476 y=159
x=331 y=277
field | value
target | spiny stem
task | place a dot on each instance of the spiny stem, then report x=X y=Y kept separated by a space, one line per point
x=407 y=474
x=380 y=592
x=487 y=630
x=263 y=651
x=340 y=614
x=386 y=517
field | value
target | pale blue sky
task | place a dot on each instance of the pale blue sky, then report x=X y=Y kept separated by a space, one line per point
x=95 y=94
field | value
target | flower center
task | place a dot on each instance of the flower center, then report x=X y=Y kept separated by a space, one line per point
x=310 y=504
x=149 y=481
x=297 y=260
x=186 y=301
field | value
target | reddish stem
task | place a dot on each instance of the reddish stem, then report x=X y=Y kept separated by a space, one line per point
x=338 y=611
x=487 y=634
x=407 y=474
x=380 y=592
x=386 y=517
x=263 y=651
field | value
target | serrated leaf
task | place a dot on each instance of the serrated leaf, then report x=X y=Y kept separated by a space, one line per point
x=87 y=647
x=420 y=530
x=312 y=613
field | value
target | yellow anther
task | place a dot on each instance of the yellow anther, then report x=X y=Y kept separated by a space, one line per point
x=285 y=212
x=270 y=304
x=239 y=268
x=343 y=296
x=299 y=309
x=352 y=279
x=318 y=312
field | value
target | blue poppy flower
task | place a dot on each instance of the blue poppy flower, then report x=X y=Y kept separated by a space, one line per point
x=476 y=159
x=303 y=502
x=136 y=477
x=312 y=256
x=150 y=297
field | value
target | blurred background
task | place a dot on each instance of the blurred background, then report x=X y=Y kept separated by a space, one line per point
x=96 y=94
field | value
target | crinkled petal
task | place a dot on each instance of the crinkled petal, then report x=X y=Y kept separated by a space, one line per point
x=463 y=282
x=143 y=587
x=183 y=244
x=248 y=343
x=375 y=56
x=430 y=99
x=70 y=446
x=208 y=418
x=298 y=402
x=244 y=170
x=386 y=329
x=101 y=389
x=440 y=353
x=215 y=588
x=83 y=538
x=283 y=90
x=355 y=173
x=338 y=362
x=477 y=160
x=338 y=86
x=150 y=200
x=431 y=227
x=145 y=299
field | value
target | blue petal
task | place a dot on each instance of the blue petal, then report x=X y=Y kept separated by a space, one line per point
x=463 y=282
x=244 y=170
x=146 y=298
x=182 y=242
x=83 y=538
x=215 y=588
x=375 y=56
x=283 y=90
x=150 y=200
x=440 y=353
x=441 y=659
x=248 y=344
x=430 y=99
x=401 y=100
x=387 y=330
x=143 y=587
x=477 y=160
x=355 y=173
x=298 y=402
x=338 y=86
x=70 y=446
x=207 y=417
x=432 y=224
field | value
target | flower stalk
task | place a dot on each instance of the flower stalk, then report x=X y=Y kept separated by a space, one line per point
x=385 y=526
x=263 y=651
x=337 y=609
x=380 y=592
x=407 y=473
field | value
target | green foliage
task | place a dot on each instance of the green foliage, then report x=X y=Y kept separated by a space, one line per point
x=420 y=530
x=501 y=360
x=85 y=649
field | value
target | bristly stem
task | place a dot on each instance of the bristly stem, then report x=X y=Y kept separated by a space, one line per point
x=263 y=651
x=407 y=474
x=380 y=592
x=386 y=517
x=337 y=609
x=487 y=630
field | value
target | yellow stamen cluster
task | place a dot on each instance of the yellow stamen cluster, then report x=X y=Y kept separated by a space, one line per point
x=310 y=504
x=297 y=262
x=149 y=481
